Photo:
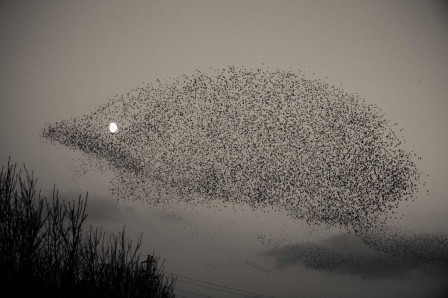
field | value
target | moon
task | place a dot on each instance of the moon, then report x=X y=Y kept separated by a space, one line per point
x=113 y=127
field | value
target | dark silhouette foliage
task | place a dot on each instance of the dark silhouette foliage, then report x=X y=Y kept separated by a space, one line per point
x=44 y=249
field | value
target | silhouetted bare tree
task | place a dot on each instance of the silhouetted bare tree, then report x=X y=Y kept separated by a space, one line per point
x=44 y=250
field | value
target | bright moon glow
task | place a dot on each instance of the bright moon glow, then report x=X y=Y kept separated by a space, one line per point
x=113 y=127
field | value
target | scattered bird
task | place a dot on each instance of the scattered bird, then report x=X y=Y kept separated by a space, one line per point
x=259 y=137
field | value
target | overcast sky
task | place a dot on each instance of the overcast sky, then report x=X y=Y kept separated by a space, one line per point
x=60 y=59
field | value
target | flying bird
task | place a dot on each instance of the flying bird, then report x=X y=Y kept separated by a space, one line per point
x=258 y=137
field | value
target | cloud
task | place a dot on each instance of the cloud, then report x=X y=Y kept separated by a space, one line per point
x=106 y=208
x=372 y=256
x=100 y=208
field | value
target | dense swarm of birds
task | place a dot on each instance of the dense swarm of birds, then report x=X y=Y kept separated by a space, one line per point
x=259 y=137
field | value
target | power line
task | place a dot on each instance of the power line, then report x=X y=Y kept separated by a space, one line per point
x=221 y=286
x=213 y=286
x=216 y=289
x=200 y=295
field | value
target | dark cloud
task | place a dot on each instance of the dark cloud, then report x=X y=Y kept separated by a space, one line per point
x=370 y=257
x=425 y=249
x=100 y=208
x=106 y=208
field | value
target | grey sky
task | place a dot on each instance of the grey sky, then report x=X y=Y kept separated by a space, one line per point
x=63 y=58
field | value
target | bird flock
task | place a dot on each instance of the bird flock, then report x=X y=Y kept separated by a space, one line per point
x=262 y=138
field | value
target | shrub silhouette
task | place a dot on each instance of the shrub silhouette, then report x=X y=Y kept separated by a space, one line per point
x=45 y=251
